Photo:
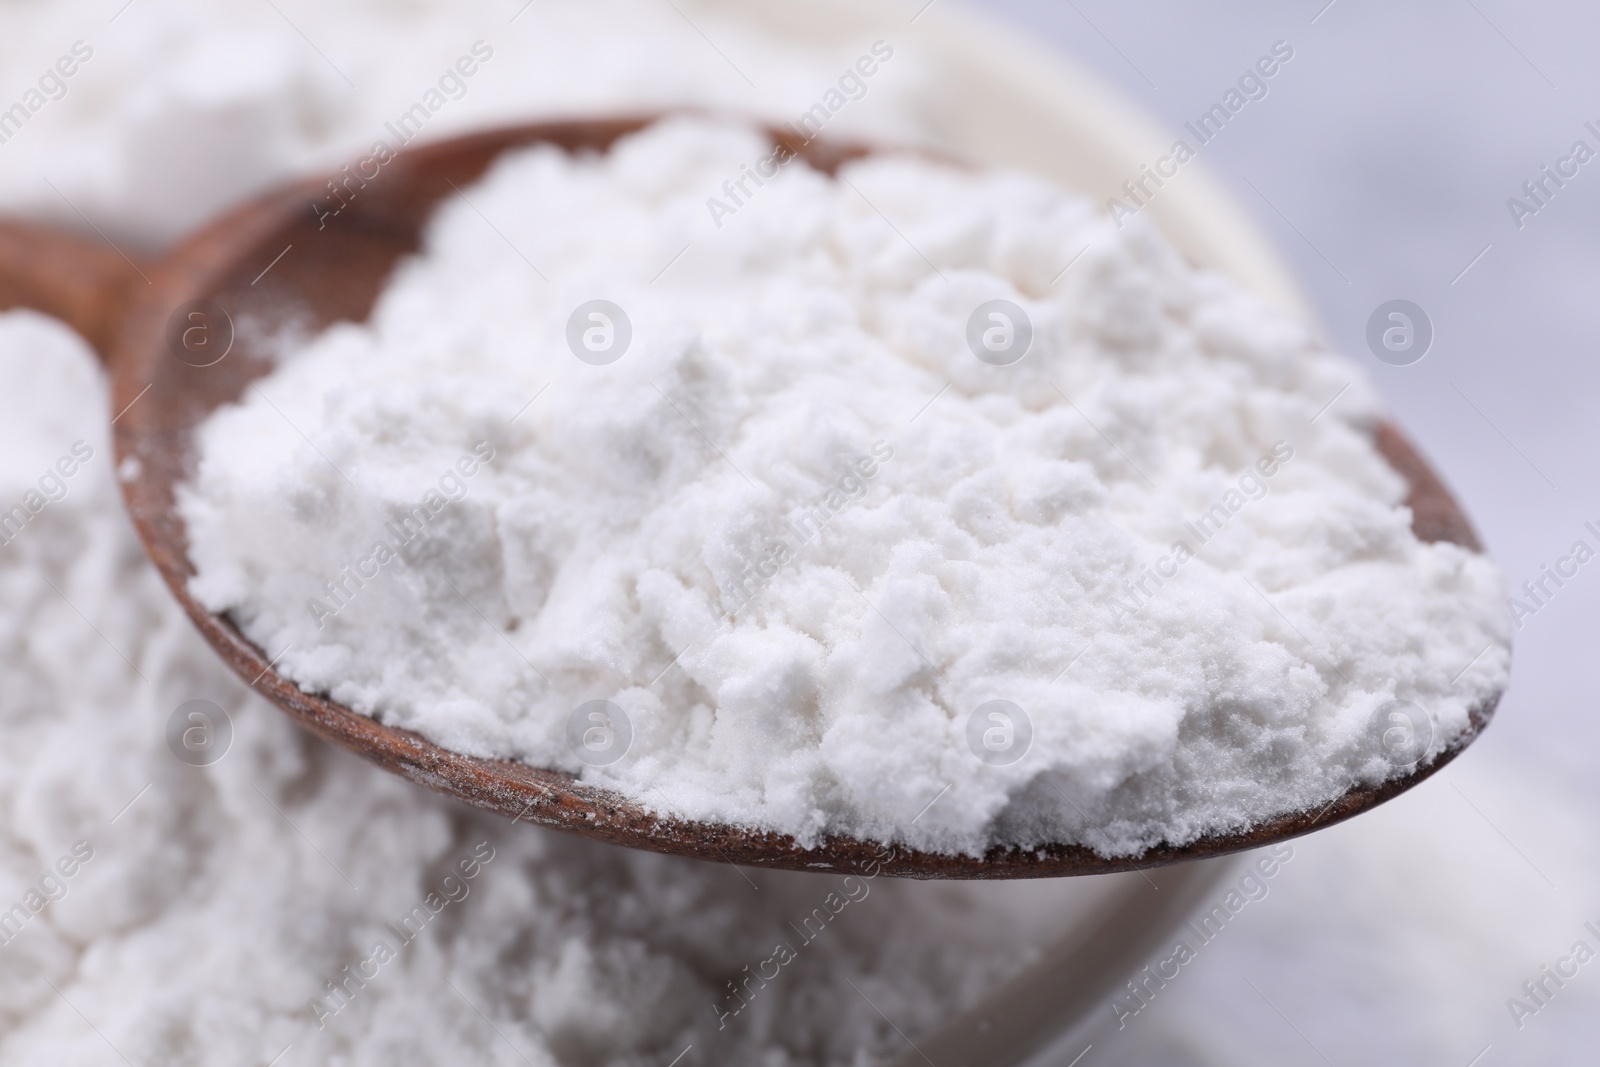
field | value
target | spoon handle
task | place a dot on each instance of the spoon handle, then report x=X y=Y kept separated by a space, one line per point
x=82 y=282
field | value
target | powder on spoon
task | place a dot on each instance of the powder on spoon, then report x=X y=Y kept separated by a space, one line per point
x=229 y=912
x=922 y=505
x=220 y=901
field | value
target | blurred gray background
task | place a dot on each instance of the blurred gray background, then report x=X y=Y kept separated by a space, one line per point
x=1382 y=161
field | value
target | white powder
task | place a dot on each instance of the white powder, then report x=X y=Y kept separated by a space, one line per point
x=206 y=921
x=184 y=109
x=219 y=901
x=985 y=533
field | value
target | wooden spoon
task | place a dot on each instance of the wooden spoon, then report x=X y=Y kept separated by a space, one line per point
x=280 y=256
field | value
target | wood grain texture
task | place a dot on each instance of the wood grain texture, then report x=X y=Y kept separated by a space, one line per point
x=326 y=268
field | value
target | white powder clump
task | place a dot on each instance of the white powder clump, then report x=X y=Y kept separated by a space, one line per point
x=801 y=535
x=221 y=904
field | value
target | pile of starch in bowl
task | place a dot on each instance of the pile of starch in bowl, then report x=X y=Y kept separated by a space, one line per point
x=916 y=503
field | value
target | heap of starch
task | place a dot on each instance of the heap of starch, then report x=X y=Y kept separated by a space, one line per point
x=915 y=503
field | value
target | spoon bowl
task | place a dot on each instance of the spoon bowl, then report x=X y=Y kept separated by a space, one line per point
x=191 y=332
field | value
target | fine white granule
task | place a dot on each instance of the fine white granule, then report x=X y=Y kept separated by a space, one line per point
x=216 y=904
x=801 y=535
x=181 y=109
x=219 y=902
